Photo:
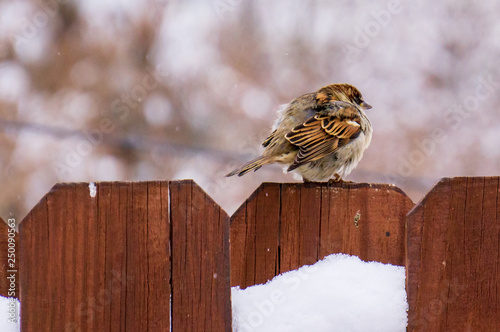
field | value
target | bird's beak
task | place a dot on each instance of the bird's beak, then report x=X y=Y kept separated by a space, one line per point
x=365 y=106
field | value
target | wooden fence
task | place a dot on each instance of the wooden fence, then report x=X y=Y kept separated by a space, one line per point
x=154 y=256
x=453 y=257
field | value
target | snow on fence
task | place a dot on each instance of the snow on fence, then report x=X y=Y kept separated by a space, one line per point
x=145 y=256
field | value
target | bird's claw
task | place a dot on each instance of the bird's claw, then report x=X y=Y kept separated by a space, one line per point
x=337 y=179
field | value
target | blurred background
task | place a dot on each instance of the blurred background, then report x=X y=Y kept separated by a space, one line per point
x=113 y=90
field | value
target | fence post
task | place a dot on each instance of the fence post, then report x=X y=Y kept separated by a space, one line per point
x=281 y=227
x=453 y=265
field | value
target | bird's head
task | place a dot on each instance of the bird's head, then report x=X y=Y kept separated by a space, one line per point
x=342 y=92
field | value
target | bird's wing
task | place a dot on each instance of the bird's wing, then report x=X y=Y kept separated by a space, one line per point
x=325 y=132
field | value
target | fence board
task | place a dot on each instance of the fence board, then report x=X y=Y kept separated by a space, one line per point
x=200 y=250
x=34 y=280
x=299 y=224
x=112 y=261
x=453 y=265
x=158 y=238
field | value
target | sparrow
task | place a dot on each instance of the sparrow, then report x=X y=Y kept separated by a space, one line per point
x=321 y=135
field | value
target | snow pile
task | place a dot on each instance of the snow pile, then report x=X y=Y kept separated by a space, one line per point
x=339 y=293
x=9 y=315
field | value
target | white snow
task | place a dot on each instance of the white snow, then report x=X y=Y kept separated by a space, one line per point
x=338 y=293
x=92 y=189
x=9 y=306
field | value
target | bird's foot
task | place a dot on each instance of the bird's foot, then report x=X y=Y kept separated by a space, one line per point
x=337 y=179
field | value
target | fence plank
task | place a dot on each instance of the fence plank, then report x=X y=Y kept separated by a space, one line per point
x=158 y=237
x=317 y=219
x=105 y=262
x=453 y=266
x=115 y=197
x=200 y=260
x=34 y=280
x=5 y=265
x=289 y=238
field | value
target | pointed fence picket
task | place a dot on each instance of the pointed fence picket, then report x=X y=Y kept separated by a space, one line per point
x=453 y=257
x=142 y=256
x=282 y=227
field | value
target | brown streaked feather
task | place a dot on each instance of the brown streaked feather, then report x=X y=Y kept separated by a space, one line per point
x=324 y=133
x=322 y=97
x=252 y=165
x=306 y=133
x=340 y=129
x=316 y=152
x=269 y=139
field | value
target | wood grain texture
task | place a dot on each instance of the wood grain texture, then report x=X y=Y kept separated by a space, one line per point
x=112 y=262
x=453 y=257
x=76 y=254
x=255 y=232
x=200 y=261
x=8 y=289
x=301 y=223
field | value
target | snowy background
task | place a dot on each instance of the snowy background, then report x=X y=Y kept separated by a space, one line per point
x=140 y=90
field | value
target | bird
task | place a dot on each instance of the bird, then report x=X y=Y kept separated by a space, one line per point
x=320 y=135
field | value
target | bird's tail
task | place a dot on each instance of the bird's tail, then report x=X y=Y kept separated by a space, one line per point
x=253 y=164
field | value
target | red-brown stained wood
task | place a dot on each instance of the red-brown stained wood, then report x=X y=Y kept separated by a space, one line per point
x=267 y=215
x=200 y=261
x=137 y=259
x=34 y=281
x=255 y=230
x=5 y=261
x=309 y=224
x=316 y=219
x=289 y=236
x=158 y=234
x=453 y=257
x=97 y=263
x=114 y=195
